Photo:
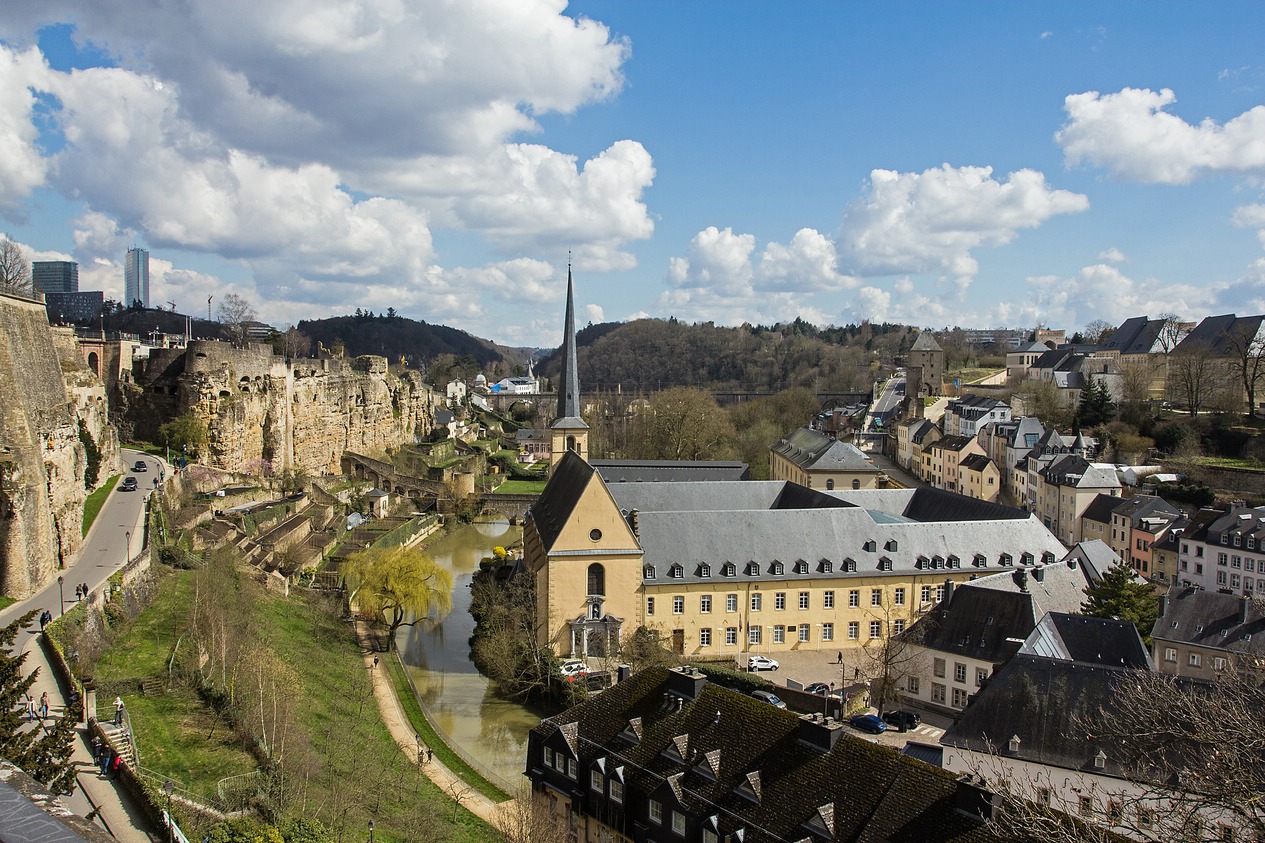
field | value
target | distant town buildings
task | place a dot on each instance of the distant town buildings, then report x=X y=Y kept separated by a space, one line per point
x=136 y=277
x=818 y=461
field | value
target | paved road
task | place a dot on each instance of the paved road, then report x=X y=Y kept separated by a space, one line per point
x=118 y=527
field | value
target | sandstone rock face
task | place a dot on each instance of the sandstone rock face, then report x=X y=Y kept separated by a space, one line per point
x=44 y=411
x=260 y=408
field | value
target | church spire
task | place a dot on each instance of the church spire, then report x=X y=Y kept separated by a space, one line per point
x=568 y=431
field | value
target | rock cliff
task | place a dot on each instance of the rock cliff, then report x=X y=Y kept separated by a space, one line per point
x=258 y=407
x=51 y=404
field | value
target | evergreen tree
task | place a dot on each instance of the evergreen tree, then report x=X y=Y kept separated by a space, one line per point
x=1121 y=595
x=1097 y=406
x=43 y=755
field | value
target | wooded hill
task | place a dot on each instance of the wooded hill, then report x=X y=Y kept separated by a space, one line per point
x=396 y=337
x=652 y=354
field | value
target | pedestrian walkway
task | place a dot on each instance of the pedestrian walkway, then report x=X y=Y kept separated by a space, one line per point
x=103 y=553
x=402 y=731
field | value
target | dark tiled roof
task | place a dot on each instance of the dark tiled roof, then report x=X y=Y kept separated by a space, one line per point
x=868 y=792
x=1134 y=336
x=812 y=450
x=1216 y=333
x=1210 y=619
x=925 y=342
x=954 y=443
x=1101 y=641
x=976 y=462
x=929 y=504
x=1100 y=508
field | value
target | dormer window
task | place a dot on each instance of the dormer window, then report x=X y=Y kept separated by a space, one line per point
x=676 y=572
x=1225 y=538
x=1100 y=760
x=828 y=567
x=1047 y=558
x=648 y=572
x=801 y=567
x=921 y=562
x=980 y=560
x=870 y=546
x=890 y=545
x=778 y=569
x=885 y=564
x=1006 y=560
x=1013 y=744
x=729 y=570
x=1026 y=559
x=752 y=569
x=937 y=562
x=704 y=570
x=1238 y=540
x=954 y=561
x=849 y=566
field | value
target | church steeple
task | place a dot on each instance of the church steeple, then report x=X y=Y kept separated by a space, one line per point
x=569 y=432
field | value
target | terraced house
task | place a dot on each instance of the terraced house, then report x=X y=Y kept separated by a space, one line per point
x=760 y=567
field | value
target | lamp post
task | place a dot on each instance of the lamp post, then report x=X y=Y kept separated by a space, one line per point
x=370 y=831
x=128 y=535
x=61 y=592
x=168 y=787
x=825 y=708
x=420 y=755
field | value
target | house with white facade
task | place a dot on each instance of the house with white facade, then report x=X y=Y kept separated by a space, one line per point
x=964 y=416
x=1225 y=553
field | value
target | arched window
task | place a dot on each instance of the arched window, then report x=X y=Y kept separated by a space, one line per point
x=597 y=579
x=830 y=484
x=570 y=443
x=856 y=484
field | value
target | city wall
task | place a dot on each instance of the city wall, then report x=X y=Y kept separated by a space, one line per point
x=263 y=411
x=43 y=409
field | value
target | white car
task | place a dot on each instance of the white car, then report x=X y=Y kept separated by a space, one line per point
x=761 y=663
x=571 y=670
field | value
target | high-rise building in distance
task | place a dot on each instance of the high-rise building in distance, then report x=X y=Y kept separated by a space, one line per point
x=55 y=276
x=136 y=277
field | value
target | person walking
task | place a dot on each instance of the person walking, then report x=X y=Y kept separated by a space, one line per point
x=96 y=750
x=84 y=586
x=44 y=706
x=30 y=708
x=106 y=752
x=78 y=594
x=430 y=755
x=840 y=659
x=116 y=764
x=118 y=711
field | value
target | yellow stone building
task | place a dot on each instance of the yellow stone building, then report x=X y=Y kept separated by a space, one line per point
x=734 y=569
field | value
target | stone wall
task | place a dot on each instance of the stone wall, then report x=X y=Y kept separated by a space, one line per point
x=42 y=460
x=259 y=407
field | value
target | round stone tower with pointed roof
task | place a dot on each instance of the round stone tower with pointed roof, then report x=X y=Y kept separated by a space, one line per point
x=927 y=356
x=568 y=432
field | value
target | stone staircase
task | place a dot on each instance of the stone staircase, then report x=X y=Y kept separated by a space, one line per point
x=120 y=739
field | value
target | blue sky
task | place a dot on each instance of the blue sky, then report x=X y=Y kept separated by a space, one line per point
x=969 y=164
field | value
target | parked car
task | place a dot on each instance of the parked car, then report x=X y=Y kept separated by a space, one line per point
x=140 y=466
x=129 y=484
x=871 y=723
x=761 y=663
x=902 y=719
x=769 y=697
x=573 y=669
x=820 y=688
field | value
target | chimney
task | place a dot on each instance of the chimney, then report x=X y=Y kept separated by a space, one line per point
x=1038 y=573
x=686 y=683
x=633 y=523
x=1163 y=605
x=1244 y=603
x=948 y=593
x=1020 y=577
x=623 y=672
x=975 y=800
x=819 y=732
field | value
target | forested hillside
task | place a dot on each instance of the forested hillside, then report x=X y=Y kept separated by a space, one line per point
x=652 y=354
x=397 y=337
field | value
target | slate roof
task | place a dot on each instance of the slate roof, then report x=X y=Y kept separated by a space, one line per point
x=1141 y=508
x=1242 y=522
x=554 y=506
x=925 y=342
x=568 y=410
x=812 y=450
x=975 y=406
x=1031 y=348
x=1215 y=332
x=1101 y=507
x=1074 y=470
x=726 y=755
x=1211 y=619
x=1039 y=700
x=670 y=471
x=919 y=433
x=987 y=618
x=1074 y=637
x=1095 y=557
x=1137 y=335
x=976 y=462
x=953 y=443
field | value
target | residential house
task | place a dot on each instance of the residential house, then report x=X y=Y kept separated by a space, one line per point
x=813 y=459
x=977 y=627
x=1136 y=523
x=1026 y=435
x=1202 y=634
x=667 y=755
x=1021 y=359
x=980 y=478
x=941 y=462
x=1193 y=553
x=964 y=416
x=456 y=392
x=1225 y=553
x=723 y=569
x=1070 y=370
x=912 y=436
x=1096 y=519
x=1063 y=490
x=532 y=444
x=1166 y=551
x=1227 y=339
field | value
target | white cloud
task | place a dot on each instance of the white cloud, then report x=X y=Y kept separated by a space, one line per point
x=722 y=260
x=1131 y=134
x=718 y=260
x=22 y=168
x=1251 y=216
x=933 y=220
x=1112 y=255
x=808 y=262
x=593 y=313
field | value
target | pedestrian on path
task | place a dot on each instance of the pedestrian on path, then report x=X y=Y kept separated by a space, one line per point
x=430 y=755
x=118 y=711
x=45 y=617
x=106 y=752
x=84 y=586
x=116 y=764
x=44 y=706
x=96 y=749
x=30 y=708
x=840 y=659
x=78 y=594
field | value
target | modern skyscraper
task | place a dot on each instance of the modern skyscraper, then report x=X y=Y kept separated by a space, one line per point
x=55 y=276
x=136 y=277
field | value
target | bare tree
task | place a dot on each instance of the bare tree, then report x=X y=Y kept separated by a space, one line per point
x=1098 y=331
x=1246 y=338
x=1192 y=376
x=234 y=312
x=15 y=269
x=527 y=820
x=888 y=660
x=293 y=343
x=1170 y=333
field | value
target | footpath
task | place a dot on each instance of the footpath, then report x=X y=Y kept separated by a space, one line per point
x=95 y=797
x=402 y=731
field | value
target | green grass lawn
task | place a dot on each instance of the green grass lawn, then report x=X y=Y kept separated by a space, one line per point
x=521 y=487
x=1230 y=462
x=96 y=500
x=6 y=602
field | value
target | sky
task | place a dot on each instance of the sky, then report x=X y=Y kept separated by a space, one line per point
x=937 y=164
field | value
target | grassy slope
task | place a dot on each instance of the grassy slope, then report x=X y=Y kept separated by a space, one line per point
x=96 y=500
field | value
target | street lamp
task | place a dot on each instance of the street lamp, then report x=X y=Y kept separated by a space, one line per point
x=128 y=535
x=61 y=591
x=169 y=786
x=370 y=831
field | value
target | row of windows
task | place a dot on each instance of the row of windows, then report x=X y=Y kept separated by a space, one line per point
x=1243 y=563
x=939 y=667
x=1194 y=659
x=848 y=565
x=804 y=600
x=1238 y=540
x=1238 y=581
x=801 y=632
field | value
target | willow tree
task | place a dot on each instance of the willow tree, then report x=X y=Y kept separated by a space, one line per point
x=395 y=582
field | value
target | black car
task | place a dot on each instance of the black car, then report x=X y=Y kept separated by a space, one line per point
x=140 y=466
x=902 y=719
x=820 y=688
x=129 y=484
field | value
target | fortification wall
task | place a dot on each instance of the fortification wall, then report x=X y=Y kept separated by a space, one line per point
x=299 y=414
x=42 y=460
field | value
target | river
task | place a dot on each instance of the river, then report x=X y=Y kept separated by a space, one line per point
x=489 y=732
